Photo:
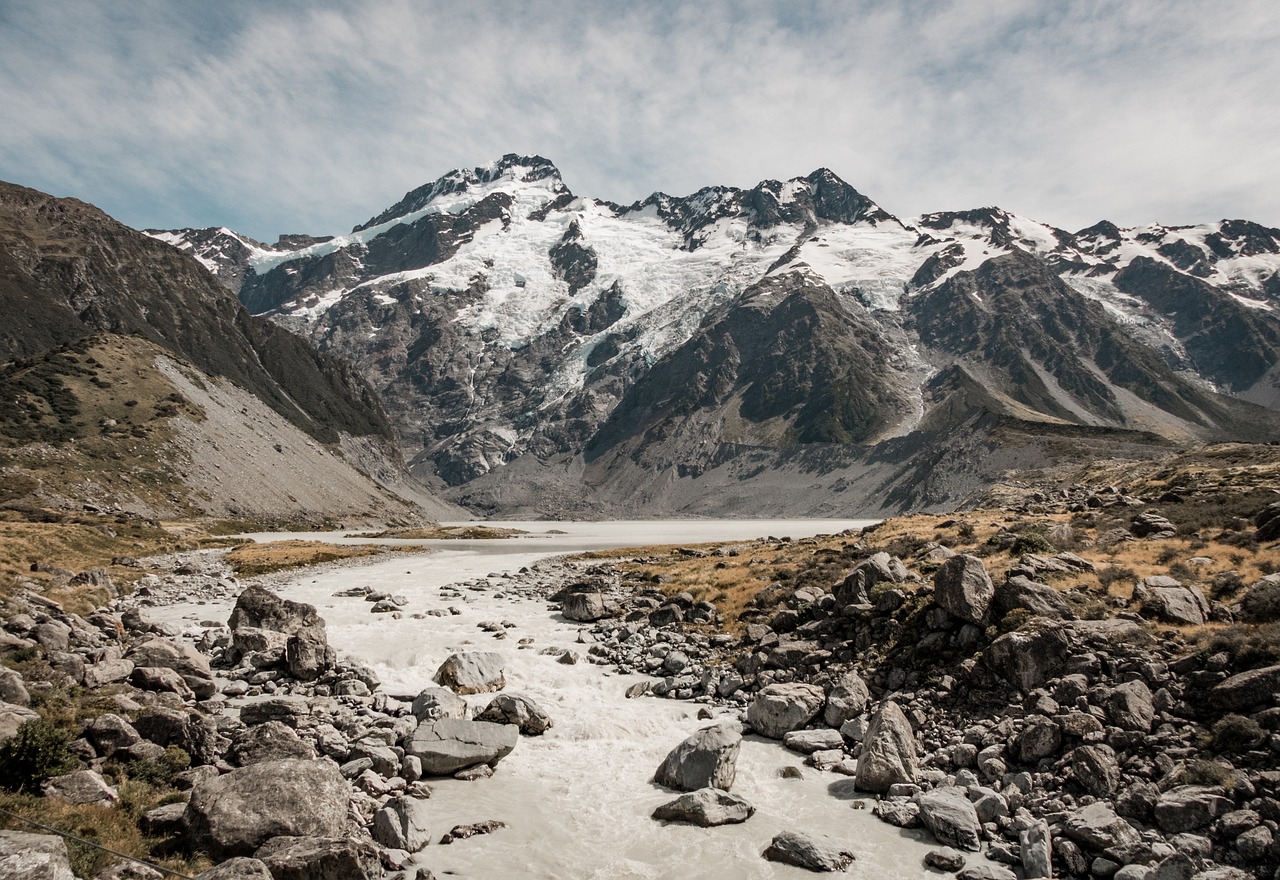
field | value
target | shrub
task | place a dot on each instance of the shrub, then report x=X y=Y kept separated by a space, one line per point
x=1031 y=542
x=1233 y=734
x=159 y=771
x=36 y=752
x=1112 y=573
x=966 y=533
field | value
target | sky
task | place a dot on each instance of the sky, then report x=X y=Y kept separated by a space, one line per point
x=313 y=116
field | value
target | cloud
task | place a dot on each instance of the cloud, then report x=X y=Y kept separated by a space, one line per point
x=312 y=117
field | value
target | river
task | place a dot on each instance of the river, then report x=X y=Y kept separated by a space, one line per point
x=577 y=800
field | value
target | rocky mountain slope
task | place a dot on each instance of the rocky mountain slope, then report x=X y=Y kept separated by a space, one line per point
x=70 y=274
x=544 y=352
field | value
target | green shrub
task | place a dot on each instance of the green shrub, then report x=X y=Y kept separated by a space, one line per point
x=1233 y=734
x=36 y=752
x=1031 y=542
x=159 y=771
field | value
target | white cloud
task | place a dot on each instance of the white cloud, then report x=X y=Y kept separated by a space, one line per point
x=309 y=117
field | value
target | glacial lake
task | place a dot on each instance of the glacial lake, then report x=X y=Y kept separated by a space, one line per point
x=577 y=800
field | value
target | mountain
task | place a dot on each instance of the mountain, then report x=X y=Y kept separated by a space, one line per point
x=84 y=296
x=544 y=352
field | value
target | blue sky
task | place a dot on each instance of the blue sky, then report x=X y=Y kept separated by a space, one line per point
x=312 y=117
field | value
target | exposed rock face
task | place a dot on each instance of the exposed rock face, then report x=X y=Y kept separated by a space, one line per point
x=962 y=586
x=270 y=741
x=12 y=717
x=1190 y=808
x=950 y=816
x=234 y=814
x=473 y=672
x=780 y=708
x=807 y=851
x=450 y=745
x=1247 y=689
x=707 y=759
x=1095 y=768
x=888 y=751
x=25 y=856
x=706 y=807
x=81 y=787
x=1022 y=592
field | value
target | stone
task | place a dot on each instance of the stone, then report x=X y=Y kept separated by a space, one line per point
x=472 y=672
x=1247 y=689
x=585 y=606
x=26 y=856
x=108 y=733
x=950 y=816
x=182 y=659
x=962 y=586
x=986 y=872
x=1022 y=592
x=449 y=745
x=519 y=710
x=945 y=859
x=81 y=787
x=160 y=678
x=1190 y=808
x=165 y=821
x=270 y=741
x=1178 y=866
x=706 y=759
x=1097 y=827
x=289 y=709
x=1095 y=768
x=706 y=807
x=888 y=751
x=903 y=814
x=1027 y=658
x=106 y=672
x=12 y=717
x=808 y=851
x=806 y=742
x=1035 y=847
x=879 y=568
x=1260 y=603
x=1129 y=706
x=1041 y=738
x=239 y=868
x=437 y=703
x=463 y=832
x=780 y=708
x=1256 y=843
x=320 y=858
x=259 y=608
x=234 y=814
x=848 y=699
x=403 y=823
x=1166 y=600
x=13 y=689
x=307 y=654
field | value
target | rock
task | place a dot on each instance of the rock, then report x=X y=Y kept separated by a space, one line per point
x=779 y=708
x=462 y=832
x=962 y=586
x=986 y=872
x=450 y=745
x=707 y=759
x=707 y=807
x=259 y=608
x=12 y=688
x=945 y=859
x=159 y=678
x=320 y=858
x=1041 y=738
x=1027 y=658
x=472 y=672
x=195 y=735
x=879 y=568
x=586 y=605
x=1164 y=599
x=435 y=704
x=182 y=659
x=403 y=824
x=1096 y=769
x=81 y=787
x=1190 y=807
x=25 y=856
x=1035 y=846
x=903 y=814
x=263 y=647
x=12 y=717
x=108 y=733
x=234 y=814
x=1260 y=603
x=289 y=709
x=239 y=868
x=1256 y=843
x=519 y=710
x=950 y=816
x=809 y=741
x=1247 y=689
x=271 y=741
x=888 y=751
x=1129 y=706
x=308 y=655
x=848 y=699
x=165 y=821
x=1038 y=598
x=810 y=852
x=1097 y=827
x=1149 y=524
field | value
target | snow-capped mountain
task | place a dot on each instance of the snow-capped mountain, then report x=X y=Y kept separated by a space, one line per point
x=542 y=350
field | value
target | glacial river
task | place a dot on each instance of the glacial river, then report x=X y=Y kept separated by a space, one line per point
x=577 y=800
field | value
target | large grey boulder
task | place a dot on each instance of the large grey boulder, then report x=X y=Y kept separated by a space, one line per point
x=434 y=704
x=1041 y=738
x=1130 y=707
x=1190 y=808
x=780 y=708
x=13 y=689
x=25 y=856
x=706 y=807
x=855 y=588
x=1035 y=847
x=12 y=717
x=848 y=699
x=83 y=787
x=1096 y=769
x=1022 y=592
x=951 y=817
x=707 y=759
x=320 y=858
x=404 y=823
x=260 y=612
x=1247 y=689
x=1260 y=603
x=585 y=605
x=1097 y=827
x=182 y=659
x=1165 y=599
x=109 y=733
x=234 y=814
x=239 y=868
x=962 y=586
x=888 y=751
x=270 y=741
x=106 y=672
x=807 y=851
x=472 y=672
x=1027 y=658
x=519 y=710
x=259 y=608
x=450 y=745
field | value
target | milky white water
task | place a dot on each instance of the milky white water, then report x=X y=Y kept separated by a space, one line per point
x=577 y=800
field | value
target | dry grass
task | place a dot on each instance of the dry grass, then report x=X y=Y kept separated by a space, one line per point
x=249 y=560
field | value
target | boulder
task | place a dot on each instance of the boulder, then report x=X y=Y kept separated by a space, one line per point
x=1097 y=827
x=903 y=814
x=1260 y=603
x=12 y=717
x=1040 y=599
x=403 y=824
x=807 y=851
x=239 y=868
x=182 y=659
x=1129 y=706
x=888 y=751
x=706 y=807
x=519 y=710
x=259 y=608
x=848 y=699
x=950 y=816
x=472 y=829
x=81 y=787
x=1164 y=599
x=1247 y=689
x=271 y=741
x=809 y=741
x=472 y=672
x=320 y=858
x=1027 y=658
x=945 y=859
x=308 y=654
x=108 y=733
x=585 y=605
x=106 y=672
x=450 y=745
x=158 y=678
x=434 y=704
x=779 y=708
x=1041 y=738
x=879 y=568
x=707 y=759
x=1190 y=808
x=13 y=689
x=25 y=856
x=1035 y=847
x=962 y=586
x=1095 y=768
x=196 y=735
x=234 y=814
x=986 y=872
